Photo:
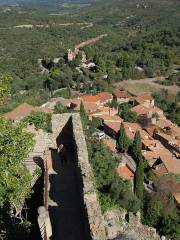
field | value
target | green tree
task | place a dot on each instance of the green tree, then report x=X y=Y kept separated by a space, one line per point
x=84 y=117
x=113 y=191
x=136 y=147
x=15 y=145
x=139 y=178
x=153 y=213
x=5 y=81
x=127 y=114
x=122 y=140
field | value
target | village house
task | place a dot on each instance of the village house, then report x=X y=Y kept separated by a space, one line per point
x=111 y=128
x=145 y=100
x=91 y=102
x=160 y=159
x=126 y=173
x=104 y=97
x=20 y=112
x=171 y=143
x=147 y=115
x=104 y=111
x=120 y=96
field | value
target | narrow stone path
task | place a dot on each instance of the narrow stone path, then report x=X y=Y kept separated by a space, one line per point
x=65 y=204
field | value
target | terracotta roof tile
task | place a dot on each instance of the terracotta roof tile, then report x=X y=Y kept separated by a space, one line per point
x=110 y=144
x=104 y=96
x=160 y=170
x=125 y=172
x=140 y=110
x=120 y=94
x=131 y=129
x=20 y=112
x=172 y=164
x=90 y=98
x=149 y=130
x=108 y=118
x=146 y=97
x=115 y=126
x=177 y=197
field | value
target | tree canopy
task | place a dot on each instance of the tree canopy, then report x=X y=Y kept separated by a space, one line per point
x=15 y=144
x=122 y=140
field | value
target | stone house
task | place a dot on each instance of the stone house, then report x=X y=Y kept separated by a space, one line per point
x=120 y=96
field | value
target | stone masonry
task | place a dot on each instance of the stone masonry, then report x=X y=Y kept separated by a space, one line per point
x=95 y=218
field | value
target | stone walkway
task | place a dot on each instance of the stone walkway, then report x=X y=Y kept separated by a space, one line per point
x=65 y=203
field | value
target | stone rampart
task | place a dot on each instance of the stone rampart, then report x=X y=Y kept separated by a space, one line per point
x=70 y=127
x=95 y=217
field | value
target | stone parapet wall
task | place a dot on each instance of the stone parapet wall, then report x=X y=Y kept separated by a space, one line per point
x=95 y=217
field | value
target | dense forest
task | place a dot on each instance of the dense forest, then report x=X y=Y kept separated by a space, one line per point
x=140 y=34
x=142 y=41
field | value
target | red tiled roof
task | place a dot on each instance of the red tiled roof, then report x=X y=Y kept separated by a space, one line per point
x=150 y=155
x=172 y=164
x=146 y=97
x=144 y=135
x=110 y=144
x=177 y=197
x=125 y=172
x=20 y=112
x=90 y=98
x=149 y=130
x=108 y=118
x=131 y=129
x=150 y=142
x=104 y=96
x=160 y=170
x=140 y=110
x=120 y=94
x=166 y=136
x=90 y=107
x=115 y=126
x=142 y=99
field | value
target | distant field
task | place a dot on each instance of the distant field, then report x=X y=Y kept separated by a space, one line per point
x=148 y=86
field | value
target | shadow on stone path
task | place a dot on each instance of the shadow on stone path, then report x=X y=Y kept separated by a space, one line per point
x=66 y=207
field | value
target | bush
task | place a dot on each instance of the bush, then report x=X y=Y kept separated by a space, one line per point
x=65 y=93
x=41 y=120
x=113 y=191
x=59 y=108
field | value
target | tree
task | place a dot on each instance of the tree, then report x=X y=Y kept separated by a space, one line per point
x=84 y=117
x=136 y=147
x=139 y=178
x=127 y=114
x=122 y=140
x=15 y=145
x=113 y=191
x=4 y=86
x=137 y=155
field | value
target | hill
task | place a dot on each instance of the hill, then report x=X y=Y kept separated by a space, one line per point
x=141 y=35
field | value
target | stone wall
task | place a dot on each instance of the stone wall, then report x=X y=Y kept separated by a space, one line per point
x=95 y=217
x=132 y=229
x=74 y=136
